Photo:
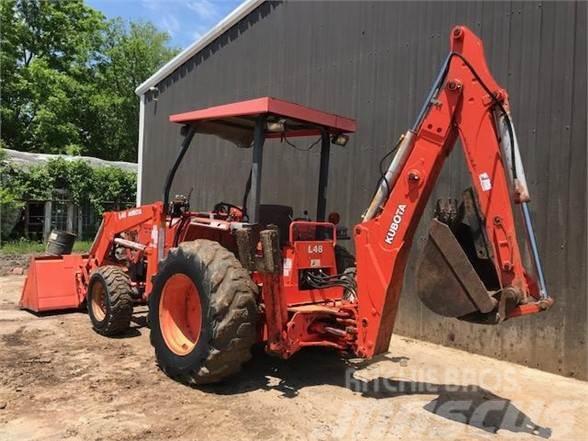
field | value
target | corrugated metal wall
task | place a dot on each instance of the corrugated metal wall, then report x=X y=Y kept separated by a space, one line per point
x=375 y=62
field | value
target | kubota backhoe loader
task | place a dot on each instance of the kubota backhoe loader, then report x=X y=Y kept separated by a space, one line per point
x=217 y=282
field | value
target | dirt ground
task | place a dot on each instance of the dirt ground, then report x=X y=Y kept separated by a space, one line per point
x=61 y=381
x=13 y=262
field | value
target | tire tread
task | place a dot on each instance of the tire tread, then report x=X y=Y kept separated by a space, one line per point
x=233 y=311
x=118 y=289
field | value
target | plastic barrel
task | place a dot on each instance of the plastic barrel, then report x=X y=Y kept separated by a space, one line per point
x=60 y=243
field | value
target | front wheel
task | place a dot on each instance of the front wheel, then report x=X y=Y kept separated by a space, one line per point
x=109 y=300
x=202 y=313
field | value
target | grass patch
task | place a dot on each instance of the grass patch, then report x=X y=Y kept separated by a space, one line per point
x=82 y=246
x=24 y=246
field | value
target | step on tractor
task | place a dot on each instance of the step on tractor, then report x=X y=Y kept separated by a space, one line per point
x=217 y=282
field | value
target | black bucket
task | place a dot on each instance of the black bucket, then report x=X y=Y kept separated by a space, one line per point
x=60 y=243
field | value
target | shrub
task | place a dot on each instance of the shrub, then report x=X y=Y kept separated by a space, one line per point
x=82 y=183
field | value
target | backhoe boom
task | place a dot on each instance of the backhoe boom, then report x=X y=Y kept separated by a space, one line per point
x=465 y=102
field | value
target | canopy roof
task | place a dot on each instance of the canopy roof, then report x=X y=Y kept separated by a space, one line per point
x=236 y=121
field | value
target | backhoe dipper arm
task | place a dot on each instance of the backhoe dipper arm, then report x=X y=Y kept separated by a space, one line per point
x=467 y=102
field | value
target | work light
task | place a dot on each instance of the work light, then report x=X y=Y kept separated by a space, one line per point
x=340 y=139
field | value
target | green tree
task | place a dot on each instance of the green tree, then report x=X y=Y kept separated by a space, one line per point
x=132 y=52
x=47 y=52
x=68 y=77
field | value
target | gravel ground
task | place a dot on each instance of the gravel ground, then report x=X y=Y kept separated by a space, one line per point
x=61 y=381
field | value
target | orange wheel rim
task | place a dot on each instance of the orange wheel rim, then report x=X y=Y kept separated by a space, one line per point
x=180 y=314
x=98 y=301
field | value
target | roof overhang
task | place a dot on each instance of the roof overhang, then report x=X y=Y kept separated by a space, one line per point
x=233 y=18
x=29 y=159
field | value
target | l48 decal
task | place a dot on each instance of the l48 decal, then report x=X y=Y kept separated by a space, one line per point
x=315 y=249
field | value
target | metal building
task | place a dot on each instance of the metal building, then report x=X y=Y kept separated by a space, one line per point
x=375 y=61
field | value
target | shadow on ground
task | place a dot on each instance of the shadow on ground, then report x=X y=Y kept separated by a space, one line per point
x=137 y=327
x=471 y=405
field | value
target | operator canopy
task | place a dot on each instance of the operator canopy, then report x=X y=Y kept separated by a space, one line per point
x=235 y=122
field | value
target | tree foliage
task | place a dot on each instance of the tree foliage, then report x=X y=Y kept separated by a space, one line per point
x=68 y=77
x=82 y=185
x=81 y=182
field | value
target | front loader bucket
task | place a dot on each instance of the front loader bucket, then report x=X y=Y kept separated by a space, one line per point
x=446 y=281
x=52 y=283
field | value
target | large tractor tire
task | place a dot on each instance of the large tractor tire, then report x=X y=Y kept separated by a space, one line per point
x=110 y=301
x=202 y=313
x=343 y=259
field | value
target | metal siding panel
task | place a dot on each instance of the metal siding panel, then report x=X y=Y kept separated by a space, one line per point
x=575 y=275
x=375 y=61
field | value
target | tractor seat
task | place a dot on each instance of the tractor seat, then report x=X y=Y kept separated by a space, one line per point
x=279 y=215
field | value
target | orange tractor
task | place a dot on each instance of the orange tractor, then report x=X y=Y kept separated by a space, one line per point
x=219 y=281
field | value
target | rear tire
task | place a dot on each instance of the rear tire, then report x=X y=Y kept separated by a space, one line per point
x=214 y=339
x=109 y=300
x=344 y=259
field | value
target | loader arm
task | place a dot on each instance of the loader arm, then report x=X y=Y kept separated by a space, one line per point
x=465 y=102
x=115 y=222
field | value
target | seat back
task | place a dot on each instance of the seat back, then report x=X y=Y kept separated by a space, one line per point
x=279 y=215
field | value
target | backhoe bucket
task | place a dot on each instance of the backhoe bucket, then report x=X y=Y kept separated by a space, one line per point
x=52 y=283
x=447 y=282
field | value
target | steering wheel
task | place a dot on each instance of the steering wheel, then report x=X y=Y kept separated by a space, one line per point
x=305 y=217
x=225 y=208
x=179 y=205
